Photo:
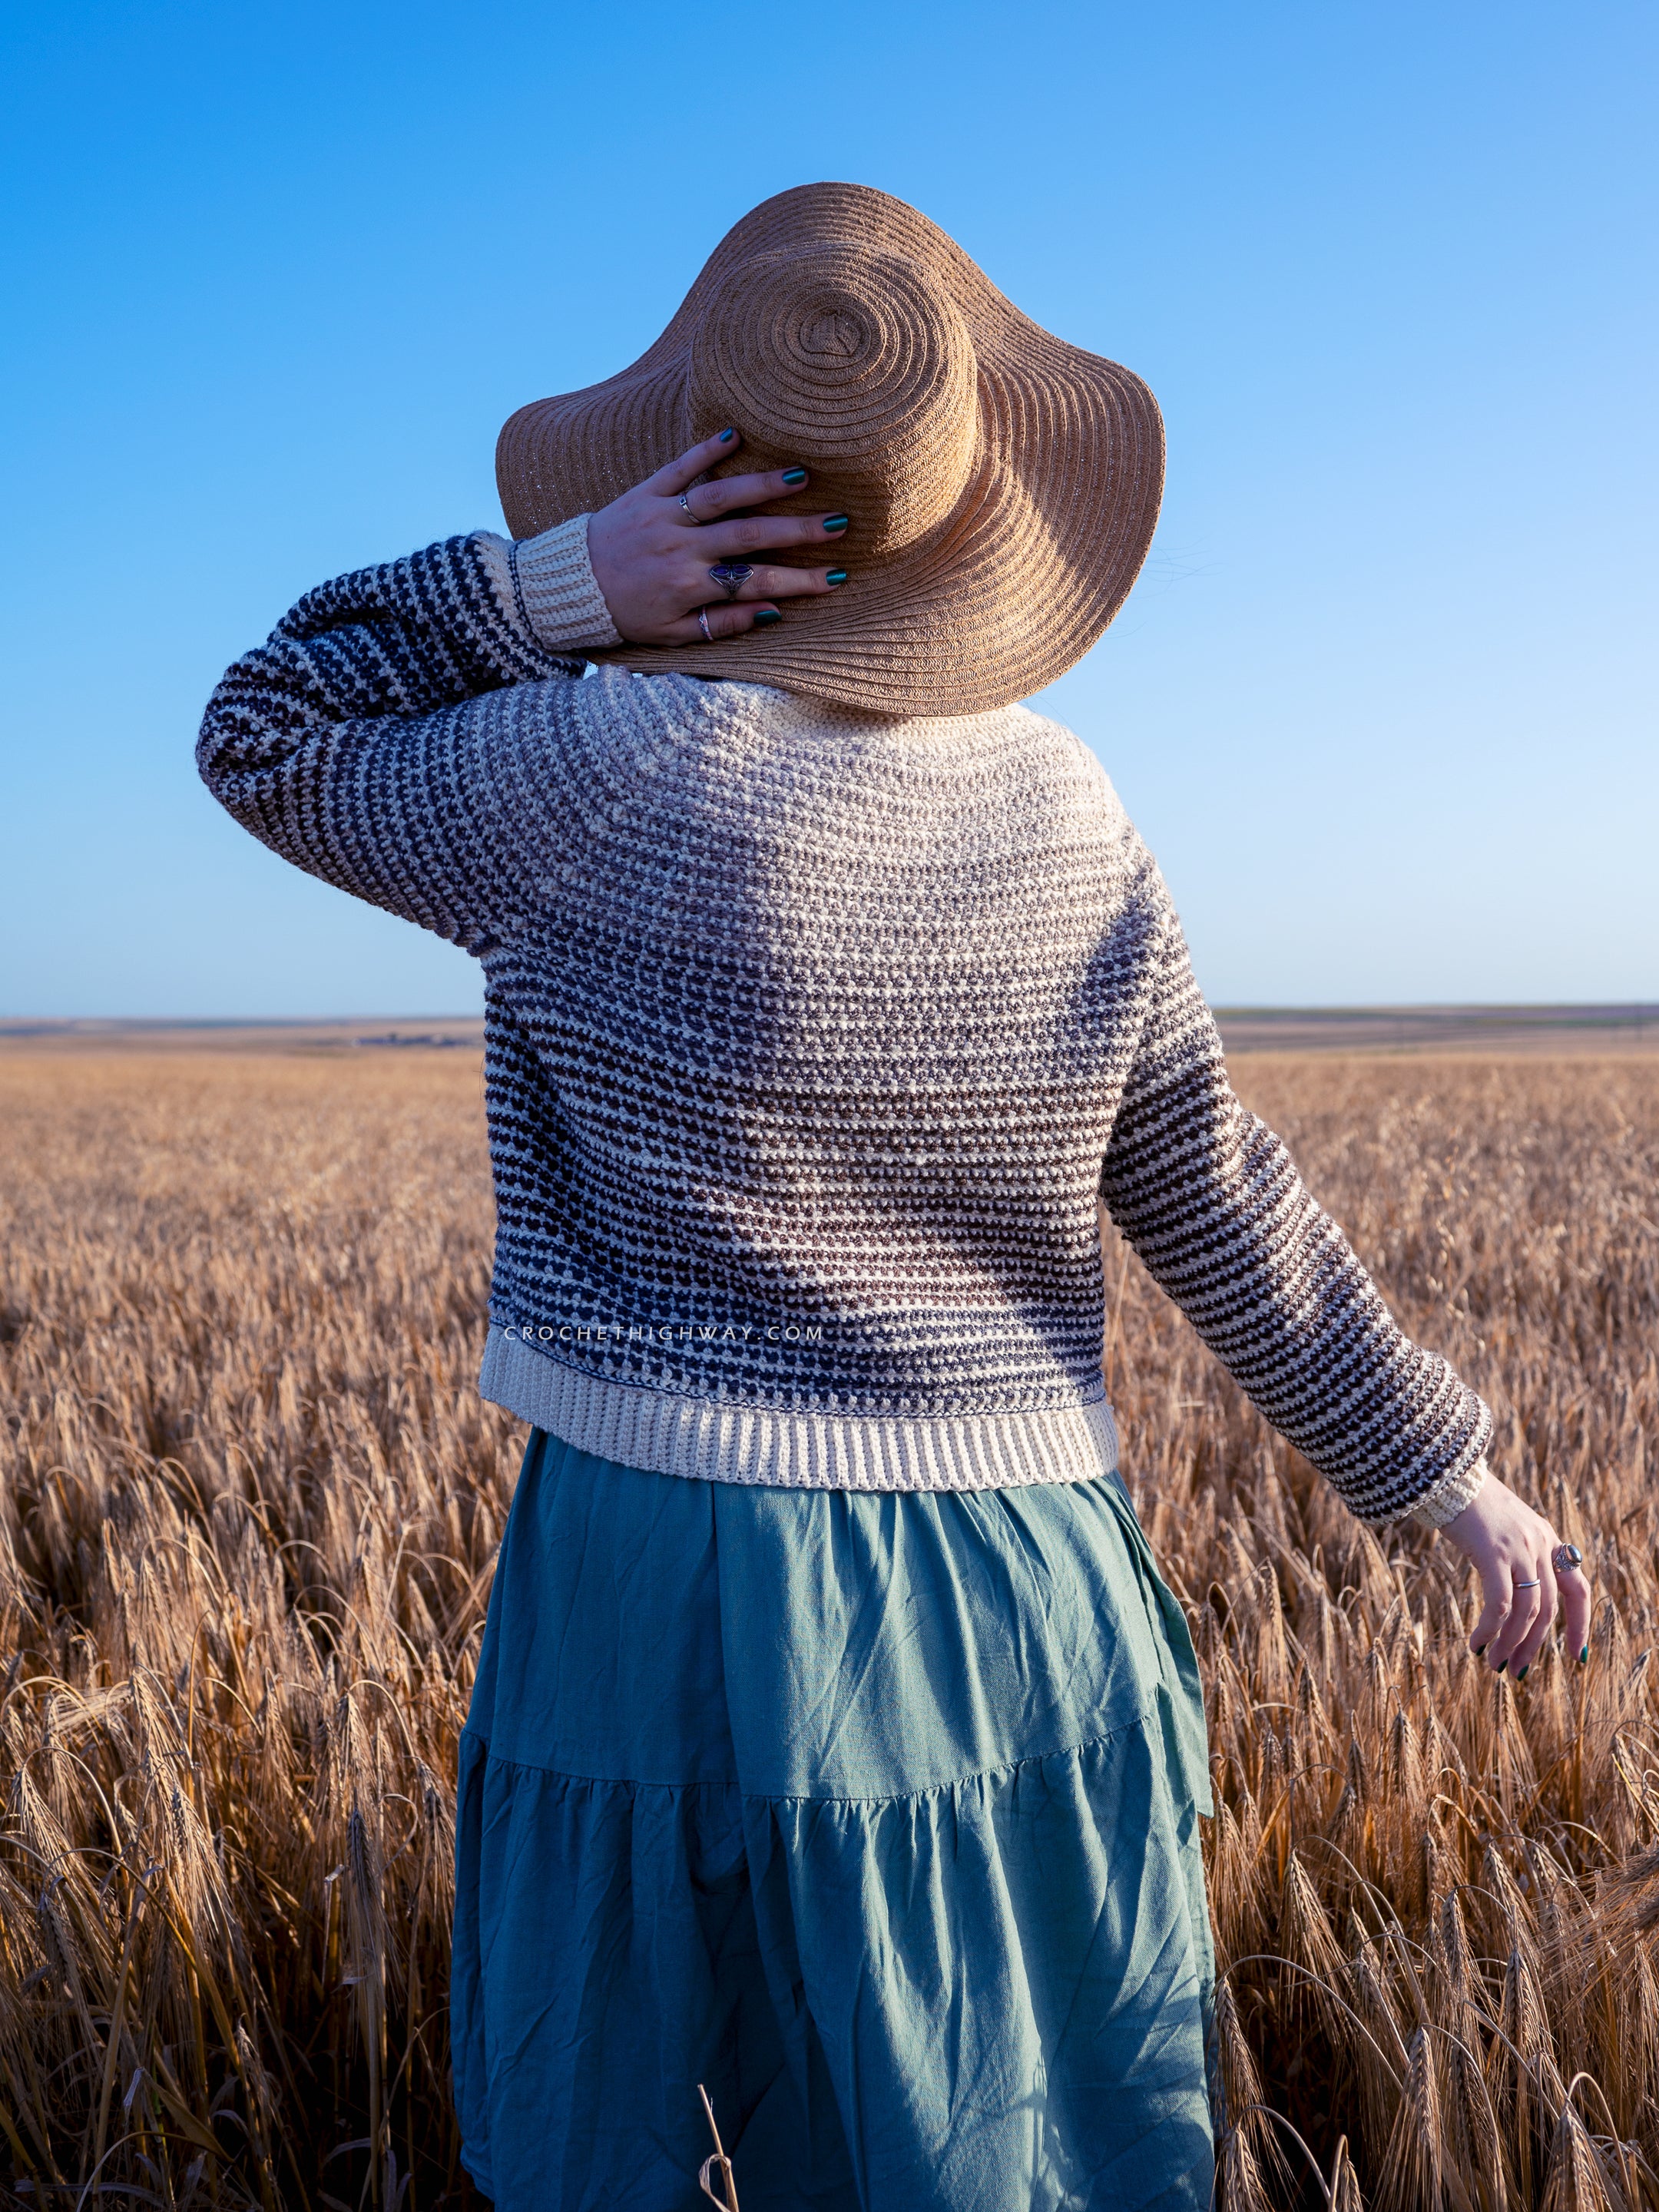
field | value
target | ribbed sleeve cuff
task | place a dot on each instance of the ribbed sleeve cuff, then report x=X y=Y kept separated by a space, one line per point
x=548 y=582
x=1448 y=1496
x=562 y=602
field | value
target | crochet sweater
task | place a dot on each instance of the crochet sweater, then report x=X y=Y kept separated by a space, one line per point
x=812 y=1038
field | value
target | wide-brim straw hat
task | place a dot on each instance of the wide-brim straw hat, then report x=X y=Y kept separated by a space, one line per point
x=1003 y=485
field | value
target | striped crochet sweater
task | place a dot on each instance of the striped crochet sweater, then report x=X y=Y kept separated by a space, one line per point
x=812 y=1038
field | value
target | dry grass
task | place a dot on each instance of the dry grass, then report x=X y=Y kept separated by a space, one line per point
x=250 y=1507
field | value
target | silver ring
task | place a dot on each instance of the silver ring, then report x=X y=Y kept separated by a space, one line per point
x=1523 y=1585
x=702 y=623
x=731 y=576
x=1566 y=1559
x=685 y=501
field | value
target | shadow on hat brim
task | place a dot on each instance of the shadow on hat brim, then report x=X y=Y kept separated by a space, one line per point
x=1007 y=593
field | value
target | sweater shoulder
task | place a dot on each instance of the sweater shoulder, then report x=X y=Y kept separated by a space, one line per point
x=1056 y=742
x=831 y=790
x=1077 y=768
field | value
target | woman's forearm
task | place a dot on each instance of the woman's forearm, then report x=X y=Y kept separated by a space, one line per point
x=357 y=743
x=1211 y=1201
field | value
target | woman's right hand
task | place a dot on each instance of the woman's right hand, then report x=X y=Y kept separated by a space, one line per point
x=1511 y=1548
x=651 y=556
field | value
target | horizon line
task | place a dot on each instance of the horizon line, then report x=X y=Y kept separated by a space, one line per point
x=1624 y=1010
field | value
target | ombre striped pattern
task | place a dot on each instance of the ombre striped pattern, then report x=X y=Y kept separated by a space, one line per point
x=811 y=1037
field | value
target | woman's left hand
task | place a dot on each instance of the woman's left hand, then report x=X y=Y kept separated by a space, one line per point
x=652 y=550
x=1511 y=1546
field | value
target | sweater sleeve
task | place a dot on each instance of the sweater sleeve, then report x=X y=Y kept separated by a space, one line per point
x=1211 y=1200
x=356 y=742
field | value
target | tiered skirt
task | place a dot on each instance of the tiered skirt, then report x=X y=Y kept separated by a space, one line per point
x=877 y=1813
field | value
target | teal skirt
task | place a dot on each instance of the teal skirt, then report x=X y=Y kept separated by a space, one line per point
x=875 y=1812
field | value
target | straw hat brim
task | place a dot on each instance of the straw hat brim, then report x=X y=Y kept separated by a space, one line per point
x=1006 y=593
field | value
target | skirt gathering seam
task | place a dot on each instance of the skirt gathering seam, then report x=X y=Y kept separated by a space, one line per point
x=1136 y=1721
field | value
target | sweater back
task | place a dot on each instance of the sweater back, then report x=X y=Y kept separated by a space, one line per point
x=813 y=1041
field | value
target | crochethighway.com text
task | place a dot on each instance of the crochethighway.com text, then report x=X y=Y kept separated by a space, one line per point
x=670 y=1332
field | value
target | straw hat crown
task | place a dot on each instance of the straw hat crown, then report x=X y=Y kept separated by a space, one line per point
x=1003 y=485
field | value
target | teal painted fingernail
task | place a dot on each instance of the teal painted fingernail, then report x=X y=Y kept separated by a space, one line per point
x=766 y=617
x=1479 y=1649
x=1584 y=1655
x=1522 y=1676
x=794 y=476
x=726 y=436
x=1500 y=1666
x=836 y=576
x=835 y=522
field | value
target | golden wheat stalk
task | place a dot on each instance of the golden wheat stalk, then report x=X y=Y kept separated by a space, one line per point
x=249 y=1508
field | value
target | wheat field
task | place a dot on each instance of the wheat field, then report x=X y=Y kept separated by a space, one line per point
x=248 y=1511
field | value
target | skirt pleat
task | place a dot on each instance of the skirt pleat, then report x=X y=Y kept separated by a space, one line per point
x=876 y=1813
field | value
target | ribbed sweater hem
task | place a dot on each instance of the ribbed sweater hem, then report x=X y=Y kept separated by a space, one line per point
x=776 y=1446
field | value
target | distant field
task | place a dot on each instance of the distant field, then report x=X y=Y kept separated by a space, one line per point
x=1551 y=1030
x=249 y=1507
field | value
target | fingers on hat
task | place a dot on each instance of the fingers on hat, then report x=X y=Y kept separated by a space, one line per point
x=727 y=619
x=790 y=583
x=753 y=533
x=727 y=494
x=676 y=476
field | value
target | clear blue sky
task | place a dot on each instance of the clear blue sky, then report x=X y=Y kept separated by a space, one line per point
x=1384 y=701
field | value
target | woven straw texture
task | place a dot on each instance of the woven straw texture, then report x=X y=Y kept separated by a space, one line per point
x=1003 y=485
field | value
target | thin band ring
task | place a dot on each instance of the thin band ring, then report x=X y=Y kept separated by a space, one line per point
x=1524 y=1586
x=702 y=623
x=685 y=501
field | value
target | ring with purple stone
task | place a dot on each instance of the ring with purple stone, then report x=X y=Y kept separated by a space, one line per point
x=731 y=576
